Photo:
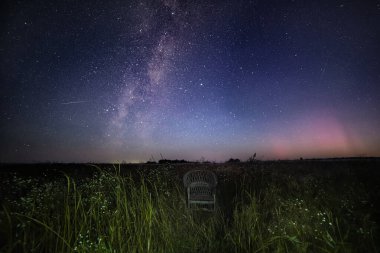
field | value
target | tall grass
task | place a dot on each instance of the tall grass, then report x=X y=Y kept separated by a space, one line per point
x=108 y=213
x=145 y=212
x=302 y=217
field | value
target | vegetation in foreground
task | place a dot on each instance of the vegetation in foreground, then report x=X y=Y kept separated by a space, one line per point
x=145 y=211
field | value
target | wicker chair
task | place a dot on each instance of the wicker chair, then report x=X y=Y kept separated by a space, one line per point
x=200 y=187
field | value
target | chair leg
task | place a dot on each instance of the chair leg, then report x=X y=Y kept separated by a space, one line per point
x=188 y=198
x=214 y=202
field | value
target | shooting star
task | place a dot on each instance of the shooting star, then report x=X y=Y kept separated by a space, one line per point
x=75 y=102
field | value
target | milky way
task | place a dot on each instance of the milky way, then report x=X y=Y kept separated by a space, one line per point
x=124 y=81
x=143 y=94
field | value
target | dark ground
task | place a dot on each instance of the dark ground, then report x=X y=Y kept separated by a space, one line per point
x=333 y=173
x=365 y=171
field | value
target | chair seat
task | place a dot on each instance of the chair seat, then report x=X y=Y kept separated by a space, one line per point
x=201 y=197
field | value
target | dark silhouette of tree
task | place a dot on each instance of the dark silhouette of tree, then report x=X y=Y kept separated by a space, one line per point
x=252 y=158
x=232 y=160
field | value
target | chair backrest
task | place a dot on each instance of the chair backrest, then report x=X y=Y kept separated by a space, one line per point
x=194 y=176
x=200 y=188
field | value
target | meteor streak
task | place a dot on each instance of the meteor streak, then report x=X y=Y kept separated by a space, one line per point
x=74 y=102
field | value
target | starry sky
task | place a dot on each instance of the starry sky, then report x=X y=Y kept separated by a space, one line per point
x=112 y=81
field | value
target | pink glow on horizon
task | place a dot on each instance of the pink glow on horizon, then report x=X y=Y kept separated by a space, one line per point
x=318 y=136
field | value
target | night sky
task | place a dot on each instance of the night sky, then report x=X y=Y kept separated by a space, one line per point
x=112 y=81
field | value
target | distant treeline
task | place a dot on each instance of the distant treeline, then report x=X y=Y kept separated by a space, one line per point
x=162 y=161
x=253 y=159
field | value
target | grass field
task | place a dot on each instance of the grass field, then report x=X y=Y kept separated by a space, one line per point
x=284 y=206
